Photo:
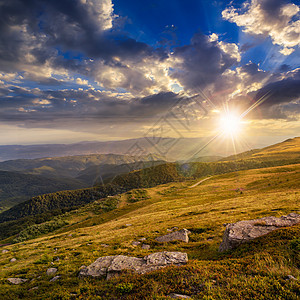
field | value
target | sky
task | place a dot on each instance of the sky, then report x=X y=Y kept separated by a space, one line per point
x=86 y=70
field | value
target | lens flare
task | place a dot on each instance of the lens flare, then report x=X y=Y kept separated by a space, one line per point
x=230 y=124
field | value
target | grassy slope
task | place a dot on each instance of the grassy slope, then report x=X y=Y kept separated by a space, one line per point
x=254 y=271
x=289 y=149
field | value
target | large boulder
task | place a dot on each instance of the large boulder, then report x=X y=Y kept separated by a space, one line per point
x=180 y=235
x=110 y=266
x=244 y=231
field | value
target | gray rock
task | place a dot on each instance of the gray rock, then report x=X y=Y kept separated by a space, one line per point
x=4 y=251
x=51 y=271
x=291 y=277
x=172 y=229
x=128 y=225
x=145 y=247
x=104 y=245
x=13 y=260
x=111 y=266
x=142 y=239
x=54 y=278
x=16 y=280
x=135 y=243
x=179 y=296
x=244 y=231
x=97 y=268
x=34 y=288
x=181 y=235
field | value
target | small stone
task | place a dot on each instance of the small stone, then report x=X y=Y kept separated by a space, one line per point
x=16 y=280
x=54 y=278
x=210 y=238
x=51 y=271
x=128 y=225
x=145 y=247
x=82 y=267
x=4 y=251
x=135 y=243
x=57 y=259
x=142 y=239
x=34 y=288
x=104 y=245
x=13 y=260
x=179 y=296
x=70 y=234
x=291 y=277
x=52 y=263
x=89 y=244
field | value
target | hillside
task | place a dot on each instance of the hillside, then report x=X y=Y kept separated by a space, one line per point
x=252 y=270
x=43 y=207
x=148 y=177
x=286 y=150
x=16 y=187
x=99 y=174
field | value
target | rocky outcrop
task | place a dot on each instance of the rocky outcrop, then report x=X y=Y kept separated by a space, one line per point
x=51 y=271
x=244 y=231
x=110 y=266
x=181 y=235
x=16 y=280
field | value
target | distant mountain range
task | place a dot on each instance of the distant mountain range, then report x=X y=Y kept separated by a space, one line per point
x=69 y=166
x=170 y=149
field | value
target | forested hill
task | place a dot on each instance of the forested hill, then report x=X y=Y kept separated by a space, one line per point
x=16 y=187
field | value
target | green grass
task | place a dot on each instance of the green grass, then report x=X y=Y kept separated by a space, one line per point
x=256 y=270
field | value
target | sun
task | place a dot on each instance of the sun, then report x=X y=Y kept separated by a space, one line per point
x=230 y=124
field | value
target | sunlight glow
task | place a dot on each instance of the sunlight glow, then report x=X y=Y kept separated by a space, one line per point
x=230 y=124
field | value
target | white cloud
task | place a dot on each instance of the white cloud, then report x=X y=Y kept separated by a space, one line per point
x=101 y=10
x=262 y=17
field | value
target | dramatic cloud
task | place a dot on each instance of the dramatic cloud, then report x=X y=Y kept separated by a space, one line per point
x=275 y=18
x=70 y=63
x=199 y=64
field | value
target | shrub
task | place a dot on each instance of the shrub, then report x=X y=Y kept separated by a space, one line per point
x=124 y=288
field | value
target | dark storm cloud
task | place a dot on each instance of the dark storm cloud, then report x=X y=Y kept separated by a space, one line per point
x=282 y=91
x=201 y=62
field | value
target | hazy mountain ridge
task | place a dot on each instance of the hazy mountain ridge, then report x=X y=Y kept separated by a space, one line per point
x=170 y=149
x=68 y=166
